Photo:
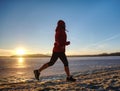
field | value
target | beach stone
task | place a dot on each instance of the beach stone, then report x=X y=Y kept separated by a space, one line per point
x=115 y=76
x=105 y=86
x=39 y=89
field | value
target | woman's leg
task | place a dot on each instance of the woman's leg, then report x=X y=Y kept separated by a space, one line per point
x=63 y=58
x=66 y=67
x=52 y=61
x=43 y=67
x=67 y=70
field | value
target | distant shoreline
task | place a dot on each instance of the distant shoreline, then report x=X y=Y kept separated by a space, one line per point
x=45 y=55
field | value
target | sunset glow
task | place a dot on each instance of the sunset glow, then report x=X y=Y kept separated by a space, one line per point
x=93 y=26
x=20 y=52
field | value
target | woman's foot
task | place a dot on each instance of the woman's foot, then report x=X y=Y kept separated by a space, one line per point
x=70 y=79
x=37 y=74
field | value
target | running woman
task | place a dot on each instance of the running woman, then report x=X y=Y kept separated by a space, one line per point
x=58 y=51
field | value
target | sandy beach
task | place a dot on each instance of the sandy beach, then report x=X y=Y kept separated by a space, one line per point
x=107 y=79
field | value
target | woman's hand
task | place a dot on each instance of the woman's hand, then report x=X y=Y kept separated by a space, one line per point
x=68 y=43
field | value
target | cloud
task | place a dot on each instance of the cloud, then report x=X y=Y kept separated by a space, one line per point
x=103 y=41
x=99 y=46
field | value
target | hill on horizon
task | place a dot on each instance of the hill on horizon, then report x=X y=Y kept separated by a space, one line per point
x=46 y=55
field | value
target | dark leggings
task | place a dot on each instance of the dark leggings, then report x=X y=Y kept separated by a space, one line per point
x=57 y=55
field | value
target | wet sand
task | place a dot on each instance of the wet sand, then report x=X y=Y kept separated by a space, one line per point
x=98 y=80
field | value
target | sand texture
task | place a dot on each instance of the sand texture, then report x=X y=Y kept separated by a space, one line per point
x=97 y=80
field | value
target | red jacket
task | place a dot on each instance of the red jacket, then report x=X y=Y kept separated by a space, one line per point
x=60 y=41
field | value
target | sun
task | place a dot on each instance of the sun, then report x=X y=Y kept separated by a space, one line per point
x=20 y=52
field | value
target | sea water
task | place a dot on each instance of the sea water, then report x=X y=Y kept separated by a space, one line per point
x=13 y=70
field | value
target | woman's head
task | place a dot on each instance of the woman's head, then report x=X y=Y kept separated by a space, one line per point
x=60 y=25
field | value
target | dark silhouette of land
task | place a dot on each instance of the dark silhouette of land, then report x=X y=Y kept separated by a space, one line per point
x=48 y=55
x=45 y=55
x=95 y=55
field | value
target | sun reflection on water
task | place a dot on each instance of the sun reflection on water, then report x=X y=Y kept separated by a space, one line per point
x=21 y=63
x=20 y=60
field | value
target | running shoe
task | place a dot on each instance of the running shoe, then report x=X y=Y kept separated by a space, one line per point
x=37 y=74
x=70 y=79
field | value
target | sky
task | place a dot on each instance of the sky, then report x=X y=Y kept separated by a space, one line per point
x=93 y=25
